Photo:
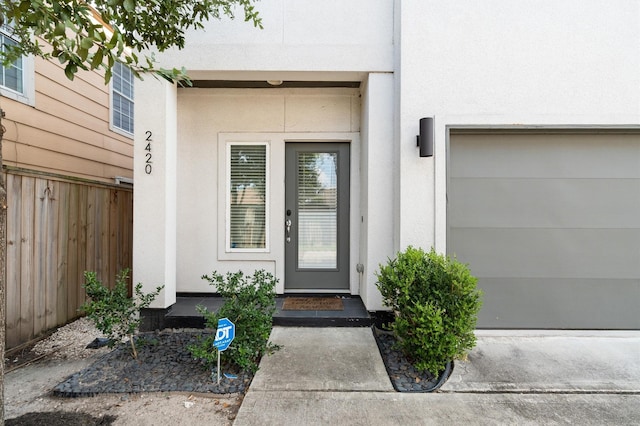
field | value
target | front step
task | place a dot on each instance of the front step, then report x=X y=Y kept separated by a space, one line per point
x=183 y=314
x=354 y=314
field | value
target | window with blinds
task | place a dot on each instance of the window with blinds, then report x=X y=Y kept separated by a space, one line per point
x=247 y=197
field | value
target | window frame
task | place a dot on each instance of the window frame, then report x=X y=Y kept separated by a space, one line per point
x=112 y=111
x=27 y=95
x=267 y=196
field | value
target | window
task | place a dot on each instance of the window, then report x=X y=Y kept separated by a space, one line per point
x=247 y=212
x=11 y=77
x=16 y=79
x=122 y=99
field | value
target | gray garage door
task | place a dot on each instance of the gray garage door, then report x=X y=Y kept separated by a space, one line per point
x=550 y=224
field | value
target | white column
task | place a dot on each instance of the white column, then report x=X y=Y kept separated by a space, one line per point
x=415 y=187
x=154 y=207
x=377 y=183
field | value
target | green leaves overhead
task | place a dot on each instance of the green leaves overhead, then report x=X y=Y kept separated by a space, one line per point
x=60 y=29
x=129 y=5
x=79 y=40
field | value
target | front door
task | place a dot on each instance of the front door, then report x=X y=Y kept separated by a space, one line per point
x=317 y=217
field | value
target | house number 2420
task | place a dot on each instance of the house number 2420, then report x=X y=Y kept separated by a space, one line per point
x=148 y=167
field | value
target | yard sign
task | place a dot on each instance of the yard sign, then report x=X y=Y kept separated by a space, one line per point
x=225 y=334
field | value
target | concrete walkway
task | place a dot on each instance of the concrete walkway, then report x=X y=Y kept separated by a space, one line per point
x=336 y=376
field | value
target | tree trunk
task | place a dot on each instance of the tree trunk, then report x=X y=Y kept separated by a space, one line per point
x=3 y=264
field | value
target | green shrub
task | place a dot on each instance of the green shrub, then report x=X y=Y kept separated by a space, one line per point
x=113 y=312
x=435 y=301
x=250 y=302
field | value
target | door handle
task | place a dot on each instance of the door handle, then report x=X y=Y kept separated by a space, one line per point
x=287 y=224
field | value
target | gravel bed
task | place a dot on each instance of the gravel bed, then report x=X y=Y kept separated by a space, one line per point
x=68 y=342
x=403 y=375
x=164 y=364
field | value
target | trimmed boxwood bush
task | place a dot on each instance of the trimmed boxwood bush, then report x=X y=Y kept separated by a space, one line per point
x=435 y=301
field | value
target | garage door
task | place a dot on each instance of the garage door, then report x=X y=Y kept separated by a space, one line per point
x=550 y=225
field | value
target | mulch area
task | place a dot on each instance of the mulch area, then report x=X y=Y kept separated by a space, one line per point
x=57 y=418
x=164 y=364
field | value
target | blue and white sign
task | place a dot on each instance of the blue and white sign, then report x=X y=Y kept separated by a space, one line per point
x=224 y=334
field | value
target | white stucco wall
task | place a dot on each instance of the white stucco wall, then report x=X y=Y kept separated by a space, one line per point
x=466 y=63
x=377 y=190
x=207 y=120
x=154 y=201
x=299 y=36
x=497 y=63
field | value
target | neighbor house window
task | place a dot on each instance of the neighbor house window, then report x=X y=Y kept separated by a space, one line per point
x=122 y=99
x=16 y=79
x=12 y=75
x=247 y=183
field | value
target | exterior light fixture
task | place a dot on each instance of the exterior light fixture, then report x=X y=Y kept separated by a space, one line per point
x=274 y=82
x=425 y=138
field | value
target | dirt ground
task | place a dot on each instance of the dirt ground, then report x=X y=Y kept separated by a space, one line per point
x=28 y=399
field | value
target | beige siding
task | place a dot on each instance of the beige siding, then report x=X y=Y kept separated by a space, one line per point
x=57 y=226
x=67 y=131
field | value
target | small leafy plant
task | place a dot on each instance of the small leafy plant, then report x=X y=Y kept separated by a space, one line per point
x=113 y=312
x=250 y=302
x=435 y=301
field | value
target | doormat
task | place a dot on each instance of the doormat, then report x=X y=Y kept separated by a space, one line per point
x=312 y=304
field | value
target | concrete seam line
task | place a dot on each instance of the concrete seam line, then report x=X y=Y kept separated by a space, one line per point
x=543 y=392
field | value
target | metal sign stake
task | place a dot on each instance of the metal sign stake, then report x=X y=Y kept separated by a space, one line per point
x=218 y=367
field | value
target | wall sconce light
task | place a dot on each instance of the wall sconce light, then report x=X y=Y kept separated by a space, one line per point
x=425 y=138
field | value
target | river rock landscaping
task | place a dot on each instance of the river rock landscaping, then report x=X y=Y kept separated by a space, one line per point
x=34 y=370
x=404 y=376
x=164 y=364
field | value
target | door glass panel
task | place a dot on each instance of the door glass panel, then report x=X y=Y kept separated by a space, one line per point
x=317 y=210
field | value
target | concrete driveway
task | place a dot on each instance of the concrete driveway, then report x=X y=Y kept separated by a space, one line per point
x=336 y=376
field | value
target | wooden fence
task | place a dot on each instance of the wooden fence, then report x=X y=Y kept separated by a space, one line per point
x=56 y=230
